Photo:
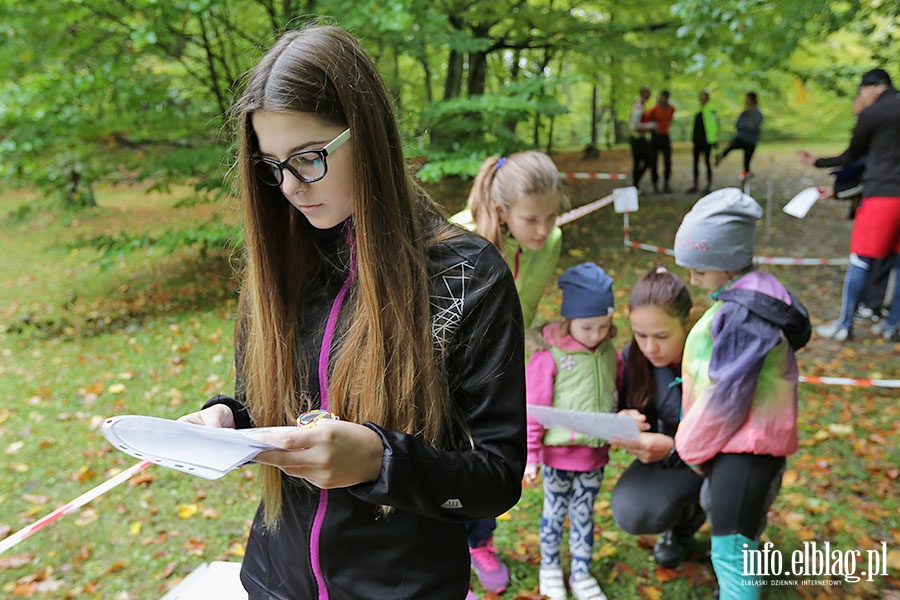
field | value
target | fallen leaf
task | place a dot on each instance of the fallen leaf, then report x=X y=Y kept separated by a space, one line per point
x=14 y=561
x=186 y=511
x=650 y=592
x=663 y=574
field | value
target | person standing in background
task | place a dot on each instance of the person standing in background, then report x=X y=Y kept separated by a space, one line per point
x=876 y=228
x=660 y=142
x=705 y=136
x=748 y=127
x=639 y=121
x=513 y=204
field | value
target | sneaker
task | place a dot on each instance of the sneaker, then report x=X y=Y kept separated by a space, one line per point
x=492 y=573
x=671 y=550
x=692 y=190
x=744 y=175
x=891 y=334
x=834 y=331
x=552 y=584
x=586 y=588
x=471 y=595
x=864 y=314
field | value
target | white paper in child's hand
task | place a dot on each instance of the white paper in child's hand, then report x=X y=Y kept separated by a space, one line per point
x=605 y=426
x=800 y=204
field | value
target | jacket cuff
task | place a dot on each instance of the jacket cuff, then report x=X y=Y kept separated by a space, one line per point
x=672 y=460
x=240 y=413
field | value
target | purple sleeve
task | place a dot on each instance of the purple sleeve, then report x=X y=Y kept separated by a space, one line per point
x=741 y=341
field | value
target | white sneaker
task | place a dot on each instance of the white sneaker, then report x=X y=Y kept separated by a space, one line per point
x=552 y=583
x=834 y=331
x=586 y=588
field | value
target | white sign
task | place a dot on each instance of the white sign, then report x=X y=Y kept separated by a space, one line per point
x=625 y=199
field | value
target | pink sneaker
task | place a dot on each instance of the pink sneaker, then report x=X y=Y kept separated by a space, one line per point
x=492 y=573
x=471 y=596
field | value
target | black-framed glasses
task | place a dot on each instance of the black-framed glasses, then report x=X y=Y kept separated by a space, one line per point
x=308 y=166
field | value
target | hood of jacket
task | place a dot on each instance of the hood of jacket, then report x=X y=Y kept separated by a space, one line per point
x=763 y=295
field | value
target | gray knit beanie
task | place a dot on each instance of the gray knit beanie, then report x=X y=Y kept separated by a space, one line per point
x=717 y=233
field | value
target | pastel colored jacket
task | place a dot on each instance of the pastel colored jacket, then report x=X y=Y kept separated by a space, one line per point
x=531 y=269
x=566 y=374
x=739 y=388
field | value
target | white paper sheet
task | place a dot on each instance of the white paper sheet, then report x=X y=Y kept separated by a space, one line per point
x=207 y=452
x=605 y=426
x=800 y=204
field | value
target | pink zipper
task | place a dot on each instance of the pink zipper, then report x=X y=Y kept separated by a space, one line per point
x=324 y=354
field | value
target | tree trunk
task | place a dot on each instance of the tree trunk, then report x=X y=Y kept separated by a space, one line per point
x=591 y=151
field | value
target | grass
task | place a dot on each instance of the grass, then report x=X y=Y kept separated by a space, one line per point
x=150 y=332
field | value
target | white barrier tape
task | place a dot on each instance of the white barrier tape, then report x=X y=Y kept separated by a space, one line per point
x=577 y=213
x=783 y=260
x=888 y=383
x=657 y=249
x=579 y=175
x=66 y=509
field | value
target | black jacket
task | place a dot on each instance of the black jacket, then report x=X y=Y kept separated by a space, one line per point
x=419 y=549
x=877 y=138
x=663 y=409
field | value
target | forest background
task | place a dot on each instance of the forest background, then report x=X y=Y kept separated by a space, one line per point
x=118 y=231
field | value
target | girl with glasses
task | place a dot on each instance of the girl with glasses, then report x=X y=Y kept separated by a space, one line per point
x=360 y=300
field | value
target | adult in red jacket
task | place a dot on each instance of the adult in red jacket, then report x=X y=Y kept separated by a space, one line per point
x=660 y=142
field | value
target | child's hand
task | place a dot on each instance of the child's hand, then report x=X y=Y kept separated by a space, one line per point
x=638 y=416
x=531 y=473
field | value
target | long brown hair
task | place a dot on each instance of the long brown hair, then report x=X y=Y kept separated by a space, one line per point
x=502 y=181
x=659 y=288
x=383 y=369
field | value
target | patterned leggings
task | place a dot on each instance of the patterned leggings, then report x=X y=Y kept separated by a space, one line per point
x=572 y=493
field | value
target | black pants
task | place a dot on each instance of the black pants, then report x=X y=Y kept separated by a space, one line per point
x=640 y=158
x=739 y=144
x=705 y=150
x=651 y=499
x=660 y=143
x=738 y=491
x=876 y=287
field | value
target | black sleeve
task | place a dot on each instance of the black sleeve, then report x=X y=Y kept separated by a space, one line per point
x=481 y=476
x=859 y=142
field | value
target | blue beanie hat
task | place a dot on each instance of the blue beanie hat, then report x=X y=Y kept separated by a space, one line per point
x=717 y=234
x=586 y=292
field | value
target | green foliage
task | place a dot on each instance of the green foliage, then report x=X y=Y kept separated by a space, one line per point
x=212 y=235
x=104 y=90
x=466 y=130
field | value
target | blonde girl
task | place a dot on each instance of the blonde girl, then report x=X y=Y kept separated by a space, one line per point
x=514 y=203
